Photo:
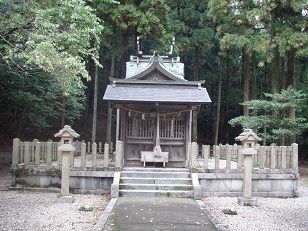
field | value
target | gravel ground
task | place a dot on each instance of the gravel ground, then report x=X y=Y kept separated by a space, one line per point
x=272 y=214
x=38 y=211
x=5 y=179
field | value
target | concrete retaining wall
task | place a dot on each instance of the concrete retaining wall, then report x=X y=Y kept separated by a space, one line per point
x=85 y=182
x=270 y=184
x=266 y=183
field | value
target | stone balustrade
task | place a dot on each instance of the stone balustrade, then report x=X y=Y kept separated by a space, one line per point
x=38 y=154
x=229 y=157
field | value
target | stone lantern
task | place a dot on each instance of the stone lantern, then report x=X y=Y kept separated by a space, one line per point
x=67 y=134
x=248 y=140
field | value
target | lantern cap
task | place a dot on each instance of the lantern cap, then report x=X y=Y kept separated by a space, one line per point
x=67 y=131
x=248 y=135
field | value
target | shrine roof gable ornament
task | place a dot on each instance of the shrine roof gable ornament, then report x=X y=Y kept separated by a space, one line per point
x=67 y=132
x=248 y=135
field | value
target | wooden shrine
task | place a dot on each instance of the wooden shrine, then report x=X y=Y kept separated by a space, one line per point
x=154 y=106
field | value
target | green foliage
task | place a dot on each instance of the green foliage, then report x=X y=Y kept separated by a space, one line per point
x=54 y=36
x=35 y=100
x=273 y=114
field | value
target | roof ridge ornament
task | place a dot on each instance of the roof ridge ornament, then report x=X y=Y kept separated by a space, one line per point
x=172 y=46
x=138 y=46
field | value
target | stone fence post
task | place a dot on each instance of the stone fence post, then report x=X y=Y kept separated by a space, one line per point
x=106 y=155
x=194 y=154
x=205 y=154
x=15 y=153
x=94 y=155
x=119 y=155
x=295 y=156
x=83 y=155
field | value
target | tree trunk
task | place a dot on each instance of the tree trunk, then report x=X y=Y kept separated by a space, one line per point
x=275 y=72
x=282 y=73
x=94 y=121
x=218 y=105
x=225 y=110
x=253 y=78
x=245 y=79
x=109 y=110
x=112 y=65
x=63 y=115
x=290 y=81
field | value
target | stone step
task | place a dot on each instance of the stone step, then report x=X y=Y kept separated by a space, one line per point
x=154 y=174
x=151 y=169
x=156 y=193
x=181 y=187
x=141 y=180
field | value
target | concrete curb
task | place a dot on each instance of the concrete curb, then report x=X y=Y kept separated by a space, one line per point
x=44 y=190
x=218 y=226
x=100 y=224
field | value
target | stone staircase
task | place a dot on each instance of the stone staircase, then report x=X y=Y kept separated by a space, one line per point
x=155 y=182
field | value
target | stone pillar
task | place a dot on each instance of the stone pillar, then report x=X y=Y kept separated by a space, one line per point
x=249 y=140
x=106 y=155
x=273 y=156
x=65 y=197
x=83 y=155
x=188 y=156
x=15 y=153
x=247 y=199
x=205 y=154
x=283 y=157
x=94 y=155
x=59 y=154
x=67 y=149
x=37 y=157
x=65 y=177
x=119 y=155
x=27 y=153
x=194 y=154
x=295 y=156
x=228 y=158
x=217 y=156
x=49 y=155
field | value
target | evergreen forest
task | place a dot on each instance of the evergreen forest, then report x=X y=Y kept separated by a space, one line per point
x=56 y=58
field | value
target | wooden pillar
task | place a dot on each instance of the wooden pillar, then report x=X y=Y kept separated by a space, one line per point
x=157 y=129
x=190 y=126
x=109 y=121
x=118 y=124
